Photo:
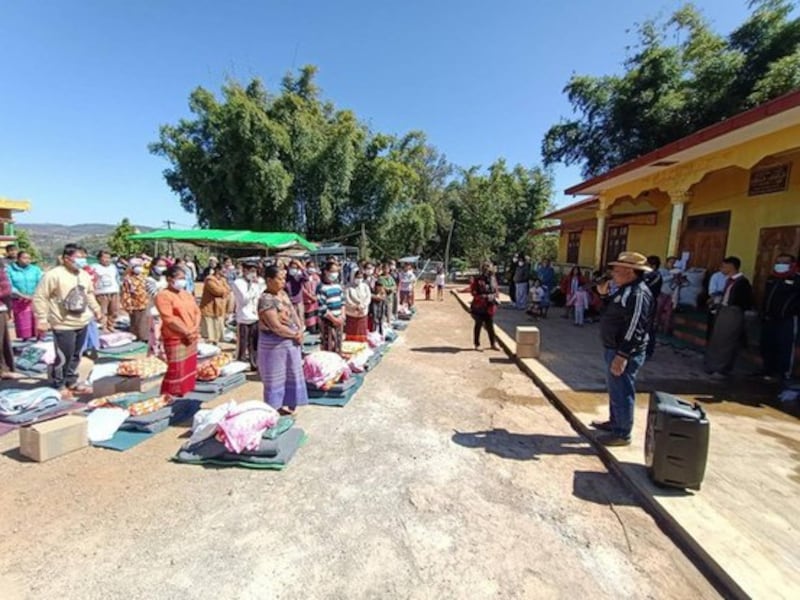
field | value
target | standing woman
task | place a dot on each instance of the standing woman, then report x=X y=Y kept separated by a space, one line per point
x=484 y=304
x=295 y=281
x=155 y=283
x=180 y=323
x=310 y=303
x=569 y=286
x=24 y=278
x=356 y=306
x=280 y=359
x=6 y=352
x=214 y=305
x=377 y=309
x=390 y=288
x=135 y=299
x=331 y=309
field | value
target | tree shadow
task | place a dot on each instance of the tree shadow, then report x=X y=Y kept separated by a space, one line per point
x=522 y=446
x=439 y=350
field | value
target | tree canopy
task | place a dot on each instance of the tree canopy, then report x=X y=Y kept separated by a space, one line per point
x=25 y=243
x=681 y=76
x=293 y=161
x=118 y=242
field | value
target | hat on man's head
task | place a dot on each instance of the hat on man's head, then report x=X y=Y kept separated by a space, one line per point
x=631 y=260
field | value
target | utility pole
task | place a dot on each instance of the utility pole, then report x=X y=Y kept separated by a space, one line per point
x=363 y=249
x=170 y=249
x=447 y=249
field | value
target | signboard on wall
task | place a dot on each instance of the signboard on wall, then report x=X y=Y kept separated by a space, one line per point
x=645 y=218
x=769 y=180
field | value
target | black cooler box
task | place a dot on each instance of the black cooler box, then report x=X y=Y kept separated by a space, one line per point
x=676 y=443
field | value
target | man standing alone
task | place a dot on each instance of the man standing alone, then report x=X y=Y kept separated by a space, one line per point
x=624 y=329
x=522 y=275
x=64 y=302
x=728 y=334
x=107 y=290
x=781 y=315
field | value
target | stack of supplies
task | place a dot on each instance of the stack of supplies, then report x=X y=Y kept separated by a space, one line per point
x=24 y=407
x=146 y=368
x=120 y=344
x=324 y=369
x=358 y=361
x=205 y=350
x=249 y=434
x=350 y=348
x=34 y=358
x=211 y=369
x=208 y=390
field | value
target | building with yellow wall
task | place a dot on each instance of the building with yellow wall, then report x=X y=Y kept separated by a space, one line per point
x=8 y=234
x=730 y=189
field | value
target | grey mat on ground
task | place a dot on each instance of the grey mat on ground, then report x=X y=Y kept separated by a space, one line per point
x=286 y=446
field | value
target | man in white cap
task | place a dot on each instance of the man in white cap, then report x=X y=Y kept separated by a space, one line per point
x=624 y=330
x=213 y=263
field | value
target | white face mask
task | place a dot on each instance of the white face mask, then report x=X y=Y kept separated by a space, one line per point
x=159 y=270
x=333 y=276
x=359 y=280
x=782 y=268
x=137 y=270
x=369 y=271
x=179 y=284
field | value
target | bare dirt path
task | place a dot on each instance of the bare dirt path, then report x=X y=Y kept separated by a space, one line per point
x=447 y=476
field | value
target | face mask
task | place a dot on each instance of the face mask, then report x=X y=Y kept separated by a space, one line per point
x=179 y=284
x=80 y=263
x=137 y=270
x=369 y=271
x=782 y=268
x=359 y=281
x=333 y=276
x=521 y=262
x=294 y=272
x=159 y=270
x=252 y=277
x=313 y=271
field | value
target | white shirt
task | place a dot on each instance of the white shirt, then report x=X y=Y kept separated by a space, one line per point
x=407 y=281
x=246 y=295
x=440 y=279
x=107 y=279
x=716 y=285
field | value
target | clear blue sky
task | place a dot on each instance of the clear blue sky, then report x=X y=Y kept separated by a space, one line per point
x=86 y=84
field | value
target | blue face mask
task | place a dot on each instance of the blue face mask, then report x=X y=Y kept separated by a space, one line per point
x=80 y=263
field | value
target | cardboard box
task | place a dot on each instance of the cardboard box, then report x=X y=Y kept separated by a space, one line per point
x=528 y=334
x=527 y=350
x=116 y=384
x=49 y=439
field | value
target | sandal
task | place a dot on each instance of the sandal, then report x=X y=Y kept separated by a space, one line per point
x=287 y=412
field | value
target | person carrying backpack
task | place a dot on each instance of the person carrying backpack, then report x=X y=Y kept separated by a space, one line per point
x=64 y=302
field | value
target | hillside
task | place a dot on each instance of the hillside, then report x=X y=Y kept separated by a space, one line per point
x=51 y=237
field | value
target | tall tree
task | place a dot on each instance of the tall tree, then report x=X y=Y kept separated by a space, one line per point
x=669 y=90
x=119 y=241
x=25 y=243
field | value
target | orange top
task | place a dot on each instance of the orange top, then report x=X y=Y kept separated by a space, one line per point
x=179 y=313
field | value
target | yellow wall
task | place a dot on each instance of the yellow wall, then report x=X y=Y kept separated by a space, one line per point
x=586 y=251
x=727 y=190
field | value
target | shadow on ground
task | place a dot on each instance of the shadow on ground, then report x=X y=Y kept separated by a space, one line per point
x=521 y=446
x=441 y=349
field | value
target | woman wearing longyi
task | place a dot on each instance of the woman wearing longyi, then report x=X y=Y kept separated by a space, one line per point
x=180 y=331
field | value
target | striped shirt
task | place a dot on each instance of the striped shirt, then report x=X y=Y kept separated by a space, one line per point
x=331 y=299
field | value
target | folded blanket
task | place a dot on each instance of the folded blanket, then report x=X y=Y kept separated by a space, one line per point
x=221 y=384
x=42 y=414
x=283 y=425
x=116 y=339
x=103 y=423
x=234 y=368
x=128 y=349
x=286 y=445
x=18 y=401
x=143 y=367
x=336 y=390
x=101 y=370
x=205 y=350
x=31 y=358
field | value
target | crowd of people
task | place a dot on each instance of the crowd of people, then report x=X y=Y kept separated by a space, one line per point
x=267 y=306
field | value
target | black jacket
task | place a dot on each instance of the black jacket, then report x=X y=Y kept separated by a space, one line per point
x=654 y=282
x=740 y=294
x=625 y=322
x=782 y=297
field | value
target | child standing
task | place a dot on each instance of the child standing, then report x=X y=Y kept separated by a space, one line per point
x=330 y=298
x=440 y=284
x=581 y=304
x=427 y=288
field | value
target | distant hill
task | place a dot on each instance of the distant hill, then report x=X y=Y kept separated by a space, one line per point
x=51 y=237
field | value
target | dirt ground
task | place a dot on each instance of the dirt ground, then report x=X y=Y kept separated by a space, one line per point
x=447 y=476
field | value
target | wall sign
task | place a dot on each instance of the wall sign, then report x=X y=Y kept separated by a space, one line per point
x=646 y=218
x=769 y=180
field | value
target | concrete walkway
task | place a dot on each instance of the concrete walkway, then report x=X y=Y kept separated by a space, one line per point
x=744 y=521
x=448 y=475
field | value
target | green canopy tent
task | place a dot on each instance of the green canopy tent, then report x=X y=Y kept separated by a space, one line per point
x=226 y=237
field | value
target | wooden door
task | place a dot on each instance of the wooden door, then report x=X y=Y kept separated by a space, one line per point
x=573 y=247
x=616 y=242
x=705 y=238
x=773 y=241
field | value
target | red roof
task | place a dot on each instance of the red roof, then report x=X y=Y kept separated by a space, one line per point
x=759 y=113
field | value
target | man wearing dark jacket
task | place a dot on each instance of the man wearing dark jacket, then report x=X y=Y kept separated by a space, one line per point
x=781 y=314
x=624 y=329
x=654 y=282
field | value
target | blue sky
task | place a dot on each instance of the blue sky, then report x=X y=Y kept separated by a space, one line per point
x=87 y=84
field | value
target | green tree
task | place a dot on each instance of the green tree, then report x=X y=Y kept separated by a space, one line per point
x=24 y=243
x=119 y=242
x=669 y=90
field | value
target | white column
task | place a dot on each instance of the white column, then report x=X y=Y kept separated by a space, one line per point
x=678 y=198
x=600 y=240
